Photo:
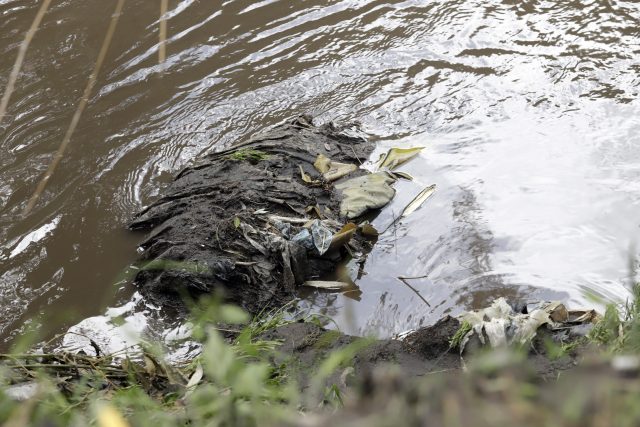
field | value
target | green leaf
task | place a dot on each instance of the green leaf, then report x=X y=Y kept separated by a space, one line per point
x=236 y=222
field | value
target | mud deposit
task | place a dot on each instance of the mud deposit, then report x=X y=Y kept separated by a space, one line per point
x=227 y=224
x=426 y=351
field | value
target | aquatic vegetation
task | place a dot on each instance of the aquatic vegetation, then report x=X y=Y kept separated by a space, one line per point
x=456 y=340
x=247 y=154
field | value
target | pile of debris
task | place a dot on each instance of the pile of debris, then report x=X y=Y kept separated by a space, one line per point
x=500 y=325
x=269 y=215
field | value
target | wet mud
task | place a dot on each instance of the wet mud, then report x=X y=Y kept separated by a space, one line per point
x=229 y=223
x=425 y=351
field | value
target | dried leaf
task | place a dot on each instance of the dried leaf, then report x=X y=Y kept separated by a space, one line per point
x=330 y=170
x=418 y=200
x=402 y=175
x=369 y=230
x=314 y=209
x=583 y=316
x=347 y=227
x=327 y=285
x=195 y=379
x=322 y=163
x=149 y=366
x=338 y=170
x=397 y=156
x=305 y=177
x=245 y=232
x=343 y=236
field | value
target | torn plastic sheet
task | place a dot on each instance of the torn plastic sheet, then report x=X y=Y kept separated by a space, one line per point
x=318 y=237
x=120 y=331
x=321 y=236
x=500 y=325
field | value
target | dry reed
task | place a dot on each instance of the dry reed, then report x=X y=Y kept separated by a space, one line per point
x=162 y=47
x=81 y=107
x=13 y=77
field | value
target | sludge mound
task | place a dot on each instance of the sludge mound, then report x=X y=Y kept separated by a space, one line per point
x=255 y=221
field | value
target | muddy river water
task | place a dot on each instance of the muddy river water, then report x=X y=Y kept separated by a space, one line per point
x=528 y=110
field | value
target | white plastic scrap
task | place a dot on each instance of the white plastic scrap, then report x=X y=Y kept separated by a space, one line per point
x=321 y=236
x=502 y=326
x=22 y=392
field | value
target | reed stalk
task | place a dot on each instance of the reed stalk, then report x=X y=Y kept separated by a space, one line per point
x=162 y=47
x=22 y=52
x=79 y=110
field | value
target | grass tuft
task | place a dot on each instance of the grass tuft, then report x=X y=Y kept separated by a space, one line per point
x=462 y=332
x=247 y=154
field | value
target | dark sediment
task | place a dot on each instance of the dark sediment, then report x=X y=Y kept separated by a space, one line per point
x=210 y=231
x=425 y=351
x=306 y=345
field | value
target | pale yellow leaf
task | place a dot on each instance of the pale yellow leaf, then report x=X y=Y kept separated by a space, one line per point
x=418 y=200
x=108 y=416
x=397 y=156
x=322 y=163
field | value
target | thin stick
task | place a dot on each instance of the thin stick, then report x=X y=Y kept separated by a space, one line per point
x=393 y=224
x=356 y=156
x=403 y=280
x=413 y=278
x=11 y=84
x=395 y=233
x=81 y=106
x=162 y=47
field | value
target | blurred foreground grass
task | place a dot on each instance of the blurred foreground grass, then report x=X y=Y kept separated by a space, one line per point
x=236 y=382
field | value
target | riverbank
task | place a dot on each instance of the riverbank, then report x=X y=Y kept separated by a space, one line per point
x=281 y=372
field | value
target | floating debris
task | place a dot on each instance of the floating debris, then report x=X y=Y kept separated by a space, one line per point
x=397 y=156
x=327 y=285
x=418 y=201
x=364 y=193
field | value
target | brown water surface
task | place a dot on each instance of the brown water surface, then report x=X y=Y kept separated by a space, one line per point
x=529 y=111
